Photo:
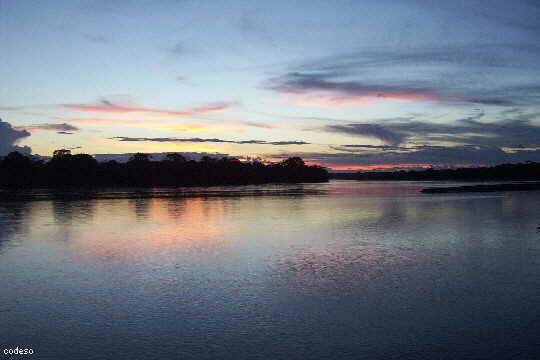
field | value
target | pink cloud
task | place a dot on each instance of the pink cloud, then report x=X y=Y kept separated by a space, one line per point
x=108 y=107
x=332 y=100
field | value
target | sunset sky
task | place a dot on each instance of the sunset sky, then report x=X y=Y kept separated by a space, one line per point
x=345 y=84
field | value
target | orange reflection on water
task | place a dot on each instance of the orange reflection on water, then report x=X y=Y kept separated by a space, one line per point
x=152 y=227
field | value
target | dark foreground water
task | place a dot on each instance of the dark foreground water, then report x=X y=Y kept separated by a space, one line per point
x=323 y=271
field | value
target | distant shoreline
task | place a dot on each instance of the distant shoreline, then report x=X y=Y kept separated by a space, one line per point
x=529 y=171
x=529 y=186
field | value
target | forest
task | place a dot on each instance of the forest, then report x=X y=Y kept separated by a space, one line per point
x=82 y=170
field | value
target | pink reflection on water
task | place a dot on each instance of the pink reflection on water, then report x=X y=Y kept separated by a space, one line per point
x=153 y=228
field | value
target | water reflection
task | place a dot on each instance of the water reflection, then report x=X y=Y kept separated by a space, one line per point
x=12 y=221
x=350 y=271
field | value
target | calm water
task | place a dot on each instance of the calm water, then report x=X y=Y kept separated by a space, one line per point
x=338 y=270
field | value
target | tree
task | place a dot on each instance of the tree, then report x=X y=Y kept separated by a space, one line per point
x=176 y=158
x=207 y=159
x=293 y=162
x=16 y=169
x=60 y=153
x=139 y=158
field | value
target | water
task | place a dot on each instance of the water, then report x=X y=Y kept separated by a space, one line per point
x=343 y=270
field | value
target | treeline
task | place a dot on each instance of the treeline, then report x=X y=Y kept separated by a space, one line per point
x=82 y=170
x=523 y=171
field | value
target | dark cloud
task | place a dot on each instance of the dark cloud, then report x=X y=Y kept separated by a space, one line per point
x=480 y=55
x=9 y=138
x=467 y=141
x=354 y=148
x=338 y=86
x=199 y=140
x=60 y=128
x=514 y=132
x=383 y=133
x=482 y=74
x=302 y=83
x=438 y=156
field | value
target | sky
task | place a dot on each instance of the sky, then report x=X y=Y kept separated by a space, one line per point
x=345 y=84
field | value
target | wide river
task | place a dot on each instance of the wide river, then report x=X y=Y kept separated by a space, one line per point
x=341 y=270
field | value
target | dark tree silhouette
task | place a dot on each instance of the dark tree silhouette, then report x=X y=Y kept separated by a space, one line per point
x=293 y=162
x=61 y=153
x=140 y=158
x=82 y=170
x=176 y=158
x=16 y=170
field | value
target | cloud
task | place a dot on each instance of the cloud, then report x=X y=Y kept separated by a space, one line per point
x=423 y=156
x=63 y=127
x=465 y=56
x=97 y=39
x=469 y=141
x=513 y=132
x=179 y=49
x=258 y=124
x=184 y=50
x=103 y=121
x=288 y=143
x=383 y=133
x=328 y=90
x=109 y=107
x=487 y=74
x=199 y=140
x=9 y=137
x=355 y=148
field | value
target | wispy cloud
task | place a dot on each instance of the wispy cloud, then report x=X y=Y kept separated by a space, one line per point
x=97 y=38
x=465 y=56
x=63 y=127
x=384 y=133
x=109 y=107
x=183 y=49
x=148 y=124
x=258 y=124
x=424 y=156
x=482 y=74
x=200 y=140
x=91 y=121
x=513 y=132
x=327 y=90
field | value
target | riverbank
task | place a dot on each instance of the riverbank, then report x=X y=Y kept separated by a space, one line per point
x=529 y=186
